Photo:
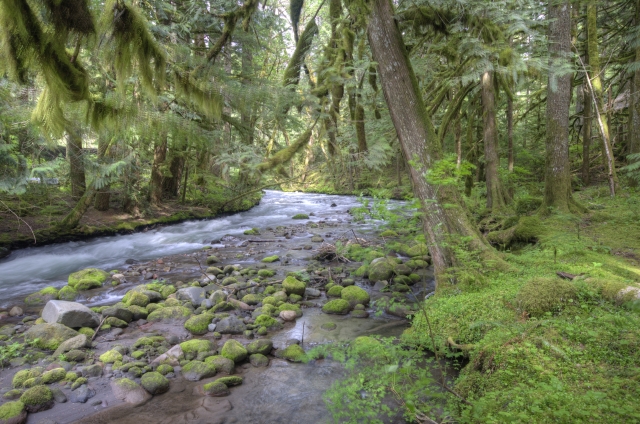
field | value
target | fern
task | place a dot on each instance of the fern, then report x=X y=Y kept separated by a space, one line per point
x=633 y=169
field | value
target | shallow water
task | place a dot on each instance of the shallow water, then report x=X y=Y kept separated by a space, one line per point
x=28 y=270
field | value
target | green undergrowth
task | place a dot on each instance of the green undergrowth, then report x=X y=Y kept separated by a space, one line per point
x=544 y=349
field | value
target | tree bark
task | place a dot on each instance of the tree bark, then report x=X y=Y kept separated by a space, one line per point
x=597 y=94
x=103 y=195
x=419 y=143
x=361 y=135
x=73 y=218
x=586 y=138
x=557 y=189
x=159 y=156
x=512 y=159
x=76 y=162
x=495 y=192
x=633 y=140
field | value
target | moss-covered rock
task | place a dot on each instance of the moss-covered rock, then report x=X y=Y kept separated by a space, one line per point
x=198 y=324
x=234 y=350
x=37 y=398
x=49 y=336
x=13 y=413
x=381 y=269
x=23 y=375
x=134 y=297
x=232 y=380
x=270 y=259
x=54 y=375
x=171 y=313
x=222 y=364
x=111 y=356
x=155 y=383
x=269 y=300
x=229 y=280
x=68 y=293
x=212 y=260
x=266 y=320
x=164 y=369
x=355 y=295
x=197 y=370
x=292 y=353
x=138 y=312
x=541 y=295
x=290 y=307
x=262 y=346
x=148 y=341
x=418 y=250
x=168 y=290
x=252 y=299
x=335 y=291
x=12 y=395
x=337 y=306
x=258 y=360
x=252 y=232
x=388 y=234
x=291 y=285
x=280 y=296
x=42 y=297
x=300 y=216
x=88 y=278
x=196 y=346
x=215 y=389
x=266 y=273
x=115 y=322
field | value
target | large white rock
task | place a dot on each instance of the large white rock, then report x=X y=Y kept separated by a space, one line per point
x=71 y=314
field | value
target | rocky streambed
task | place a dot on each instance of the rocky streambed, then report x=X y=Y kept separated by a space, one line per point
x=220 y=335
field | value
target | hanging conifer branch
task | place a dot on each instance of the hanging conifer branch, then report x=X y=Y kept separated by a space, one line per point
x=230 y=20
x=287 y=153
x=208 y=102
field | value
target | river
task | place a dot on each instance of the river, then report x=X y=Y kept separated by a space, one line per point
x=28 y=270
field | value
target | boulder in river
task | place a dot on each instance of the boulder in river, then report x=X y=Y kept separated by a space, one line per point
x=262 y=346
x=291 y=285
x=37 y=398
x=222 y=364
x=234 y=350
x=381 y=269
x=337 y=306
x=71 y=314
x=119 y=312
x=230 y=325
x=197 y=370
x=193 y=294
x=41 y=297
x=155 y=383
x=49 y=336
x=129 y=391
x=355 y=295
x=13 y=413
x=88 y=278
x=77 y=342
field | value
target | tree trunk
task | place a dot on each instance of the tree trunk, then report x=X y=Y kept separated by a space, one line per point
x=159 y=156
x=633 y=140
x=73 y=218
x=171 y=184
x=557 y=189
x=586 y=138
x=76 y=162
x=103 y=195
x=361 y=135
x=512 y=159
x=495 y=191
x=596 y=90
x=419 y=143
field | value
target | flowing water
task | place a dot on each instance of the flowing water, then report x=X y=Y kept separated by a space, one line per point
x=28 y=270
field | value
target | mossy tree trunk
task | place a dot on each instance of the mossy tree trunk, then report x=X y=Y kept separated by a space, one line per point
x=495 y=191
x=557 y=188
x=103 y=195
x=633 y=140
x=159 y=156
x=76 y=161
x=594 y=72
x=419 y=142
x=586 y=138
x=361 y=135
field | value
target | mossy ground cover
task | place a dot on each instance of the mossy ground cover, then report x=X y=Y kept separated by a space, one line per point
x=542 y=349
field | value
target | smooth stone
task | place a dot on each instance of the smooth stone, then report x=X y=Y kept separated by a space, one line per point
x=230 y=325
x=16 y=311
x=71 y=314
x=288 y=315
x=77 y=342
x=82 y=394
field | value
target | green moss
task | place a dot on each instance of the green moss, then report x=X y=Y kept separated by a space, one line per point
x=230 y=381
x=79 y=382
x=334 y=291
x=541 y=295
x=229 y=280
x=198 y=324
x=292 y=353
x=355 y=295
x=266 y=320
x=197 y=346
x=337 y=306
x=115 y=322
x=270 y=259
x=148 y=341
x=36 y=396
x=293 y=286
x=233 y=350
x=215 y=389
x=290 y=307
x=23 y=375
x=11 y=410
x=300 y=216
x=71 y=376
x=54 y=375
x=252 y=232
x=388 y=233
x=88 y=278
x=169 y=313
x=212 y=260
x=68 y=293
x=252 y=299
x=155 y=383
x=111 y=356
x=269 y=300
x=266 y=273
x=164 y=369
x=134 y=297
